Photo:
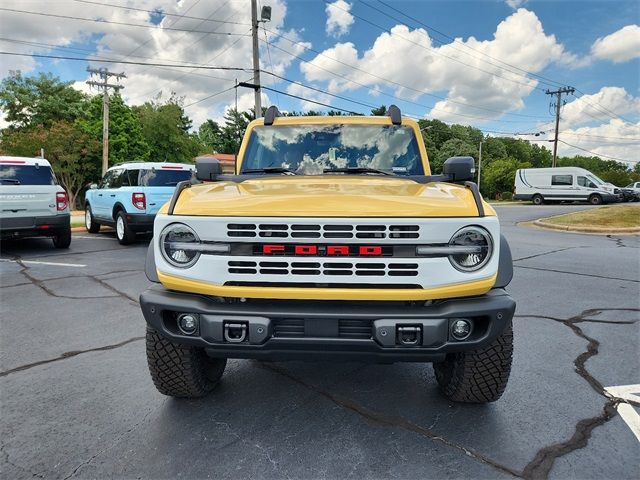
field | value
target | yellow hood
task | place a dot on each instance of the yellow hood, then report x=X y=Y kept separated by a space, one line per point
x=328 y=196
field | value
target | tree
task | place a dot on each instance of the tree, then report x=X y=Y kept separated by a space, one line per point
x=379 y=111
x=165 y=130
x=235 y=123
x=452 y=148
x=499 y=176
x=74 y=155
x=126 y=141
x=41 y=100
x=210 y=137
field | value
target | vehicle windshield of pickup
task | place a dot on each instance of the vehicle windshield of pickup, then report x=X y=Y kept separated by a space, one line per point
x=342 y=148
x=26 y=175
x=163 y=178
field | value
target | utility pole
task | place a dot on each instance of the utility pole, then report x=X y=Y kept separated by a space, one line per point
x=558 y=105
x=256 y=58
x=480 y=163
x=104 y=74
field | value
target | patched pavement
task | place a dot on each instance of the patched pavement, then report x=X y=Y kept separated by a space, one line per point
x=77 y=400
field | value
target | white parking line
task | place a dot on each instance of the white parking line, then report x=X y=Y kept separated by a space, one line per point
x=84 y=237
x=55 y=264
x=626 y=411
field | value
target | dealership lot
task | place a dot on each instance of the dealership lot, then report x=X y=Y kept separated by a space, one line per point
x=77 y=400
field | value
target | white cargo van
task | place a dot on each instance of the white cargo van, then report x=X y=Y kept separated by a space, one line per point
x=563 y=184
x=32 y=204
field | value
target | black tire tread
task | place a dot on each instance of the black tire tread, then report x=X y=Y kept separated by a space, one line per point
x=62 y=239
x=181 y=371
x=477 y=376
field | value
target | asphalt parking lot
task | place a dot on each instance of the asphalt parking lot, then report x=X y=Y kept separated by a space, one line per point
x=77 y=399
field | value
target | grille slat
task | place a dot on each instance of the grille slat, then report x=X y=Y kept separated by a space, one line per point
x=347 y=328
x=301 y=230
x=377 y=269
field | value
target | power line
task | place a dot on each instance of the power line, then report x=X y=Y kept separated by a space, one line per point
x=311 y=101
x=603 y=110
x=113 y=22
x=126 y=62
x=166 y=14
x=210 y=96
x=543 y=79
x=598 y=154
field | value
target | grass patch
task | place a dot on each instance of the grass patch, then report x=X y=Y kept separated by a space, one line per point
x=611 y=216
x=77 y=223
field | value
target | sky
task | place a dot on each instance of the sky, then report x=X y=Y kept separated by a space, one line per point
x=486 y=63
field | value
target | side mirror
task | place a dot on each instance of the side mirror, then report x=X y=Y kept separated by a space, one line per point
x=207 y=169
x=93 y=186
x=461 y=169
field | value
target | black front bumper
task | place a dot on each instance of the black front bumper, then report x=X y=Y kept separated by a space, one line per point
x=45 y=226
x=309 y=330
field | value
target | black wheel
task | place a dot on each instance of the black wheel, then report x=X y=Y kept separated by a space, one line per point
x=89 y=222
x=181 y=371
x=123 y=231
x=595 y=199
x=537 y=199
x=63 y=238
x=477 y=376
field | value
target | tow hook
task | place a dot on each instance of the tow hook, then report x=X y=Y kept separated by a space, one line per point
x=235 y=332
x=409 y=335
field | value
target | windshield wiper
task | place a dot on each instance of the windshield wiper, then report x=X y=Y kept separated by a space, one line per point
x=13 y=181
x=270 y=170
x=356 y=170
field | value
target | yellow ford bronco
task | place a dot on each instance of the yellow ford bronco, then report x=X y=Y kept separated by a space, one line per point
x=332 y=240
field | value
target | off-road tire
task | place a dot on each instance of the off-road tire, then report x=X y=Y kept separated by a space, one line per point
x=477 y=376
x=537 y=199
x=128 y=235
x=92 y=226
x=595 y=199
x=181 y=371
x=62 y=238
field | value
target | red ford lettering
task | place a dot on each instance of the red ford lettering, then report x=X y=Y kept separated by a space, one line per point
x=337 y=250
x=271 y=249
x=306 y=250
x=370 y=251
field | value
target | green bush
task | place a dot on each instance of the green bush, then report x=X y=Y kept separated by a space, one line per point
x=507 y=196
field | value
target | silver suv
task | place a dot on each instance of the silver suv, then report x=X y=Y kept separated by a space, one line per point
x=32 y=204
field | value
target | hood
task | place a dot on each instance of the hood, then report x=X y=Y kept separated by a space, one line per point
x=328 y=196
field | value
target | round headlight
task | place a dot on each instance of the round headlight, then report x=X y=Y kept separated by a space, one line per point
x=179 y=245
x=476 y=247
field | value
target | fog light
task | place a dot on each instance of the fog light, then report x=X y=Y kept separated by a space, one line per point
x=188 y=323
x=461 y=329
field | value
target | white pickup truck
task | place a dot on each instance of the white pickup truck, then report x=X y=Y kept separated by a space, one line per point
x=32 y=204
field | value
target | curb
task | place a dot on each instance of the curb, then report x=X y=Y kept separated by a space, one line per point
x=601 y=230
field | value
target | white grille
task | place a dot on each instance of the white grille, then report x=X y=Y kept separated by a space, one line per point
x=317 y=230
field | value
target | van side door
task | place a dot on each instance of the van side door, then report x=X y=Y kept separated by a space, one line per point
x=562 y=187
x=585 y=187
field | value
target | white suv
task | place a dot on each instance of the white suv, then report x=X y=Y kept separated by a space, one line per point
x=32 y=204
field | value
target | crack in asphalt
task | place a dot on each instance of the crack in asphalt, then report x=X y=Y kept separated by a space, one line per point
x=393 y=422
x=70 y=354
x=544 y=253
x=542 y=463
x=576 y=273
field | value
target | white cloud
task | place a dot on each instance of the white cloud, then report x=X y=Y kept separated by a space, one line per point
x=407 y=61
x=157 y=45
x=599 y=106
x=515 y=4
x=620 y=46
x=338 y=18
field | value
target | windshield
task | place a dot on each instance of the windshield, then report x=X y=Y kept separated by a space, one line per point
x=26 y=175
x=163 y=178
x=311 y=149
x=595 y=179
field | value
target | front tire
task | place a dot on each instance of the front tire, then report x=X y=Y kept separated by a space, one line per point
x=477 y=376
x=124 y=234
x=595 y=199
x=63 y=238
x=537 y=199
x=89 y=222
x=181 y=371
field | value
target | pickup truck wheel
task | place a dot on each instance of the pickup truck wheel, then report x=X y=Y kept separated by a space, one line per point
x=181 y=371
x=595 y=199
x=477 y=376
x=537 y=199
x=89 y=222
x=63 y=238
x=123 y=231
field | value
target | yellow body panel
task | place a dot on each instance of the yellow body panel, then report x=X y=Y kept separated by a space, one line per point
x=467 y=289
x=328 y=196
